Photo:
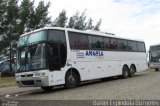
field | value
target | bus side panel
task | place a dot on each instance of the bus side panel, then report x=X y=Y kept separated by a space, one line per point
x=57 y=77
x=110 y=64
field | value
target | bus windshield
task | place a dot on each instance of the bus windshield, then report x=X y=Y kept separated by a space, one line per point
x=31 y=58
x=31 y=38
x=155 y=53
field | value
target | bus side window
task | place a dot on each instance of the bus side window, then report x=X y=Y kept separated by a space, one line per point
x=132 y=46
x=106 y=42
x=113 y=43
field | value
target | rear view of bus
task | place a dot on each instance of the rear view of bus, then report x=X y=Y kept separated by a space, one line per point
x=154 y=57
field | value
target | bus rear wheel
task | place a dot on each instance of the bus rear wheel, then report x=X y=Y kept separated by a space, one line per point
x=125 y=72
x=47 y=88
x=71 y=80
x=132 y=71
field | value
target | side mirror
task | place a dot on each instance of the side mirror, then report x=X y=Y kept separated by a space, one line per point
x=148 y=53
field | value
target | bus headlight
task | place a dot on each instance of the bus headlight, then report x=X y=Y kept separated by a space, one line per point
x=36 y=74
x=43 y=73
x=17 y=76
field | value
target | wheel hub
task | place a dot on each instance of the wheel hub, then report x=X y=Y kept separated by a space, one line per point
x=71 y=79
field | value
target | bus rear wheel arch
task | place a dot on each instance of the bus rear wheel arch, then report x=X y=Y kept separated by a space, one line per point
x=132 y=70
x=125 y=71
x=72 y=78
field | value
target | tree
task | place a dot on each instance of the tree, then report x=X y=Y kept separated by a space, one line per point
x=26 y=10
x=15 y=19
x=72 y=20
x=61 y=20
x=31 y=17
x=90 y=24
x=9 y=23
x=2 y=19
x=98 y=25
x=78 y=21
x=39 y=18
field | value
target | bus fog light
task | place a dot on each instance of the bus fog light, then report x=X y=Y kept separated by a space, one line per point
x=17 y=76
x=36 y=74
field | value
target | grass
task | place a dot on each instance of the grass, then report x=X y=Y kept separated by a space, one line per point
x=7 y=81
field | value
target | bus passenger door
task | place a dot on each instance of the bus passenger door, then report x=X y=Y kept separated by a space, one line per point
x=54 y=57
x=57 y=55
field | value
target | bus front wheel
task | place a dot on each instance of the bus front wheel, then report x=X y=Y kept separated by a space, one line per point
x=71 y=80
x=125 y=72
x=156 y=69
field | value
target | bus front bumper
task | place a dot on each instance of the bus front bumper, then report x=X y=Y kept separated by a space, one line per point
x=154 y=65
x=32 y=81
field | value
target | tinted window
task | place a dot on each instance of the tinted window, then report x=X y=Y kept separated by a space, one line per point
x=78 y=41
x=56 y=36
x=113 y=43
x=132 y=46
x=34 y=37
x=122 y=44
x=96 y=42
x=106 y=42
x=141 y=47
x=154 y=48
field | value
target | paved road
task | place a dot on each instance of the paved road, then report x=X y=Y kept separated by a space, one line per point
x=143 y=86
x=15 y=90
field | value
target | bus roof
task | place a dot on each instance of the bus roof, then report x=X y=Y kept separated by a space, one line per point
x=93 y=32
x=158 y=44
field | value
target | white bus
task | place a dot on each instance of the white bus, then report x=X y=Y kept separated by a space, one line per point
x=154 y=56
x=61 y=56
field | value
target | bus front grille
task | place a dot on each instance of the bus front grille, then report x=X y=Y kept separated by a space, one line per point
x=28 y=75
x=28 y=82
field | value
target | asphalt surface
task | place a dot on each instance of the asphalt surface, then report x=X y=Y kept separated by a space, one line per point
x=143 y=86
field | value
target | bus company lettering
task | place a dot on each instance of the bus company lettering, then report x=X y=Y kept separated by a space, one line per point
x=94 y=53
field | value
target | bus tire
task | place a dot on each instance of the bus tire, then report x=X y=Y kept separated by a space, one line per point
x=156 y=69
x=47 y=88
x=71 y=80
x=125 y=72
x=132 y=71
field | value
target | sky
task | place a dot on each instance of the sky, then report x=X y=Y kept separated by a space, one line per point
x=136 y=19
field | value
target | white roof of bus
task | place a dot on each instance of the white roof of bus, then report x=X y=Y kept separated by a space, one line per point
x=158 y=44
x=81 y=31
